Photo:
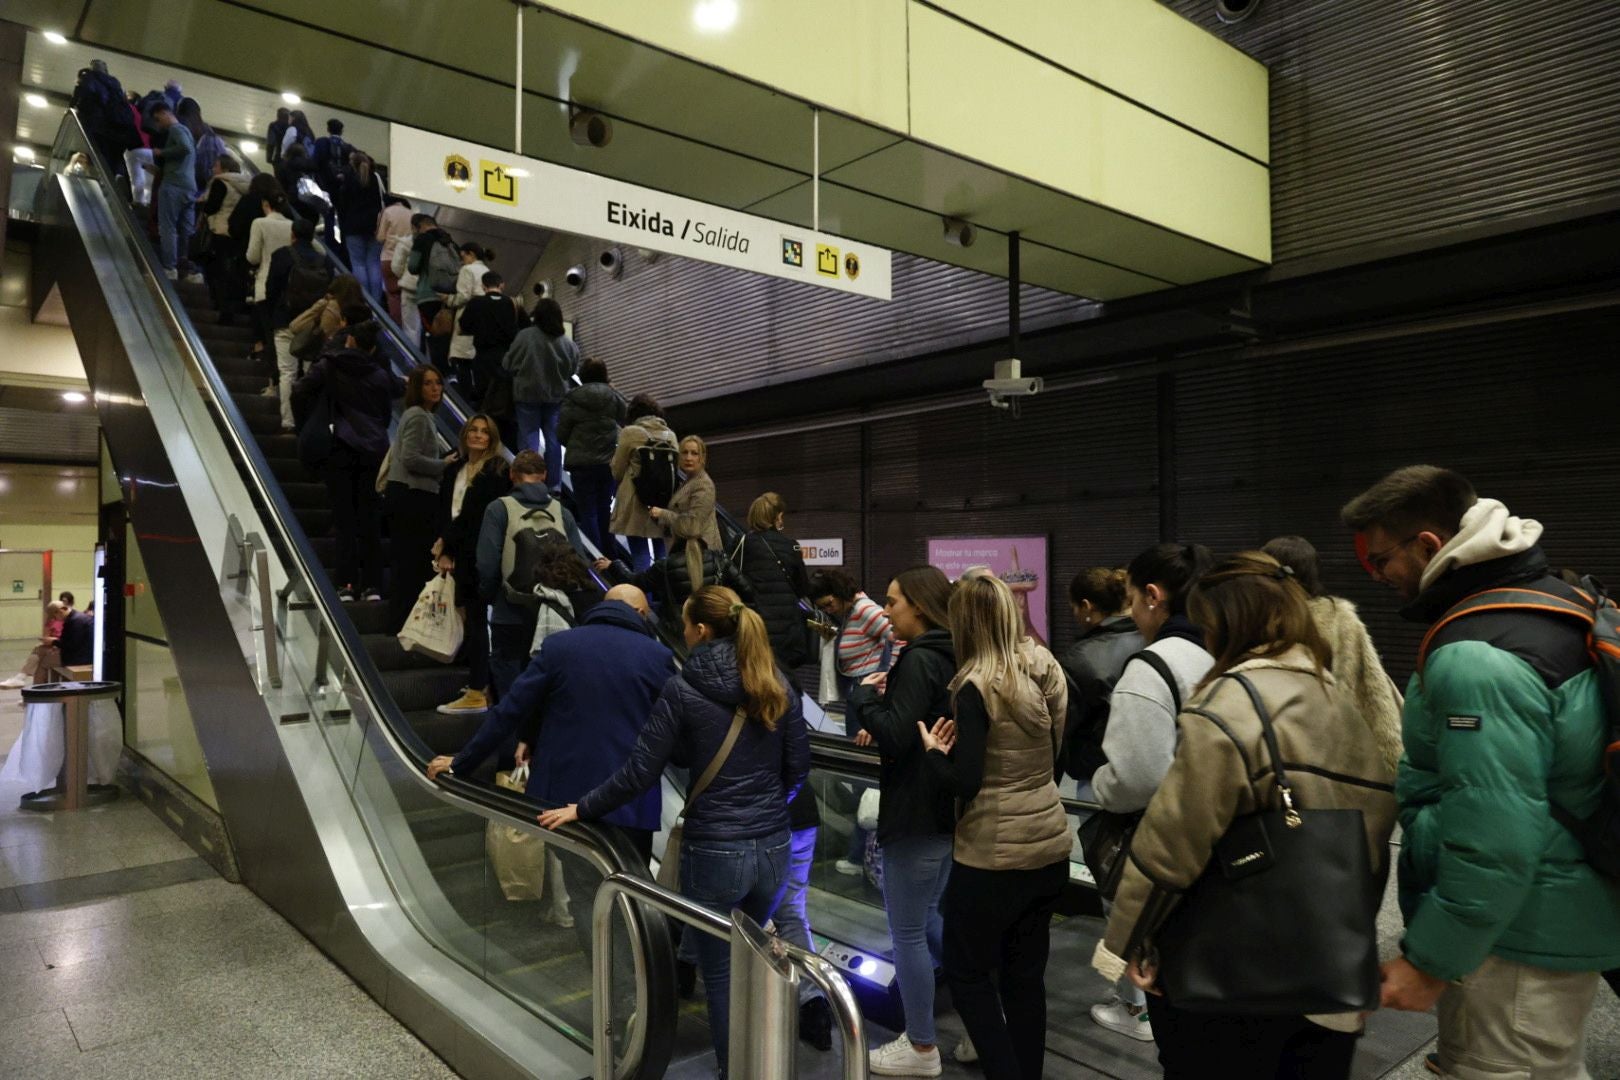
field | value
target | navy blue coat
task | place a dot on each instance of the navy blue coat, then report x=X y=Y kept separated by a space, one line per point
x=580 y=704
x=749 y=797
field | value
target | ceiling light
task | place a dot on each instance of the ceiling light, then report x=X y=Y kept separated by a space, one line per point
x=37 y=101
x=519 y=173
x=291 y=98
x=715 y=16
x=55 y=38
x=73 y=397
x=249 y=146
x=23 y=153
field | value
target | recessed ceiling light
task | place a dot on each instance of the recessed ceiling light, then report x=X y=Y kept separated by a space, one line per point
x=38 y=101
x=55 y=38
x=291 y=98
x=23 y=153
x=519 y=173
x=73 y=397
x=715 y=16
x=249 y=146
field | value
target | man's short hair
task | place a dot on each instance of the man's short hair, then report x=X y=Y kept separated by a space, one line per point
x=528 y=463
x=492 y=279
x=1414 y=499
x=303 y=229
x=418 y=220
x=334 y=126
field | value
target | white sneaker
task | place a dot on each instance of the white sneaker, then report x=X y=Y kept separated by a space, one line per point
x=965 y=1051
x=900 y=1058
x=16 y=682
x=172 y=275
x=559 y=916
x=1116 y=1016
x=194 y=279
x=848 y=869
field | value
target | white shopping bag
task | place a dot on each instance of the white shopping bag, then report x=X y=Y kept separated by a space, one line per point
x=36 y=757
x=434 y=628
x=517 y=857
x=828 y=691
x=866 y=814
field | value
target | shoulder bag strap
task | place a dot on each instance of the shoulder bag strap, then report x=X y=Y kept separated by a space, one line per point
x=1158 y=663
x=1270 y=734
x=717 y=762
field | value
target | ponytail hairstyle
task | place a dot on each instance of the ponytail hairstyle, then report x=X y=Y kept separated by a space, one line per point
x=985 y=630
x=726 y=616
x=1299 y=555
x=478 y=252
x=1251 y=607
x=1175 y=568
x=763 y=512
x=1103 y=586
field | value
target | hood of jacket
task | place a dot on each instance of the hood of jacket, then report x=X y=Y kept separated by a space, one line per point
x=532 y=494
x=1435 y=600
x=596 y=397
x=934 y=641
x=1179 y=626
x=354 y=364
x=653 y=425
x=1487 y=532
x=1114 y=624
x=237 y=182
x=711 y=670
x=617 y=613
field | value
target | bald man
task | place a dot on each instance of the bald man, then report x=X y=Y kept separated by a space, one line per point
x=576 y=711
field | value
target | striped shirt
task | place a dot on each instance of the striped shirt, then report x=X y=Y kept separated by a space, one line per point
x=862 y=640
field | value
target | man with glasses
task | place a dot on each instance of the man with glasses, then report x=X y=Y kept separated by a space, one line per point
x=1507 y=924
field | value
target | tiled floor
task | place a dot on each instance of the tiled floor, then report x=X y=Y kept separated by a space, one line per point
x=122 y=954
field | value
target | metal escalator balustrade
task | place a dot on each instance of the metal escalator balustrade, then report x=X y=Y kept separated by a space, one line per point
x=407 y=857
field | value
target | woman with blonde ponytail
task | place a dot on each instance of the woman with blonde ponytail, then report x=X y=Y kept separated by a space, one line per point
x=729 y=715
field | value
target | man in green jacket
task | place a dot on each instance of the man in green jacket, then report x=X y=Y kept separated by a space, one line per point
x=1507 y=925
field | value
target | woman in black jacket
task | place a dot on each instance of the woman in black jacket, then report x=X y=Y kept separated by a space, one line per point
x=689 y=566
x=1106 y=640
x=916 y=817
x=771 y=562
x=736 y=833
x=464 y=494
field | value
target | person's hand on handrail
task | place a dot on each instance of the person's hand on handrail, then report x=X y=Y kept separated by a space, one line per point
x=563 y=815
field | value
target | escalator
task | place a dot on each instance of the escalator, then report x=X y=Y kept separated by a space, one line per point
x=315 y=726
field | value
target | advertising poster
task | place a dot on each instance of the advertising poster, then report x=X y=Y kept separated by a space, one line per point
x=1020 y=561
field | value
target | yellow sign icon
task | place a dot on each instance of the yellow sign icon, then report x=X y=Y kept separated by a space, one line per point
x=827 y=260
x=496 y=184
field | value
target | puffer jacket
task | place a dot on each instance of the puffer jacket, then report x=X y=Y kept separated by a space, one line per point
x=1004 y=766
x=913 y=802
x=1504 y=719
x=669 y=581
x=1359 y=673
x=1333 y=760
x=541 y=366
x=588 y=424
x=771 y=562
x=630 y=518
x=1093 y=665
x=748 y=797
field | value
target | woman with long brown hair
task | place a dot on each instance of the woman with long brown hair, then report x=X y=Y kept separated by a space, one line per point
x=464 y=494
x=1260 y=629
x=730 y=704
x=411 y=498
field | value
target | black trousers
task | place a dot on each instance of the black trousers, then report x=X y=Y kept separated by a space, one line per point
x=351 y=487
x=1195 y=1045
x=998 y=933
x=413 y=525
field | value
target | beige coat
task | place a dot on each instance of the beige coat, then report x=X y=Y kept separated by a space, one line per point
x=1017 y=821
x=325 y=310
x=1335 y=763
x=1359 y=673
x=691 y=513
x=630 y=518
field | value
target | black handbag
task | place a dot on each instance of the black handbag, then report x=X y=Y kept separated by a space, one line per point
x=1282 y=922
x=1105 y=837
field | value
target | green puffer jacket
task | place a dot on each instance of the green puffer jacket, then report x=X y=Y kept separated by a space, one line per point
x=1505 y=716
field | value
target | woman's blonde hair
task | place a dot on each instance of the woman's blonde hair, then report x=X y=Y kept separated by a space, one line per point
x=1250 y=607
x=726 y=616
x=494 y=451
x=764 y=511
x=703 y=449
x=985 y=629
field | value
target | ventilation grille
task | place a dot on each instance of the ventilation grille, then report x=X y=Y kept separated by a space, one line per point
x=70 y=438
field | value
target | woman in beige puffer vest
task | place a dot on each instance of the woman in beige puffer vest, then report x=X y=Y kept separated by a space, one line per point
x=999 y=757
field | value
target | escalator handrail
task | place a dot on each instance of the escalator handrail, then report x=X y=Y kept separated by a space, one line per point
x=599 y=846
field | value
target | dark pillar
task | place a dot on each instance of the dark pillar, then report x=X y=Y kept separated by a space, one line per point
x=1167 y=457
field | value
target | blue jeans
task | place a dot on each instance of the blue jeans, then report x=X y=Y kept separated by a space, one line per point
x=365 y=261
x=727 y=874
x=792 y=918
x=593 y=495
x=541 y=416
x=644 y=550
x=175 y=215
x=915 y=870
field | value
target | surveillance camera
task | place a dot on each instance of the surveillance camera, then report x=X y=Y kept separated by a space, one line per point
x=587 y=127
x=543 y=289
x=576 y=277
x=1010 y=382
x=612 y=261
x=959 y=232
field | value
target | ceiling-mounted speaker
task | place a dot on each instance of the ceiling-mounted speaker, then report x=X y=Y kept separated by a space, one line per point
x=1235 y=11
x=959 y=232
x=612 y=260
x=576 y=278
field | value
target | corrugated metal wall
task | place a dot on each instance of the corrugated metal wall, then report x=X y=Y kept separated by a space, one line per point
x=685 y=330
x=32 y=435
x=1406 y=121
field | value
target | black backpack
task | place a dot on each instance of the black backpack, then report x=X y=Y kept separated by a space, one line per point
x=1591 y=607
x=532 y=547
x=656 y=474
x=307 y=282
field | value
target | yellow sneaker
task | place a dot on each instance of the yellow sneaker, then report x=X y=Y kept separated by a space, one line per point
x=470 y=701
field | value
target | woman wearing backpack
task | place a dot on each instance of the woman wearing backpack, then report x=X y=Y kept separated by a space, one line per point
x=691 y=511
x=1140 y=740
x=434 y=261
x=731 y=718
x=465 y=492
x=644 y=431
x=411 y=498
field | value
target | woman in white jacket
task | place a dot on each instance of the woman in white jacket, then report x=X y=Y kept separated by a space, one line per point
x=475 y=262
x=268 y=235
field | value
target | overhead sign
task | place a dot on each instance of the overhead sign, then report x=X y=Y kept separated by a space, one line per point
x=485 y=180
x=822 y=552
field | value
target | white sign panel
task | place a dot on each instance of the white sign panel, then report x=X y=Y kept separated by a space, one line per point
x=457 y=173
x=822 y=552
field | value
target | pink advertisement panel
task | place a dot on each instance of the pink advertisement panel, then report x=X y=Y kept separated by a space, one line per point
x=1020 y=561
